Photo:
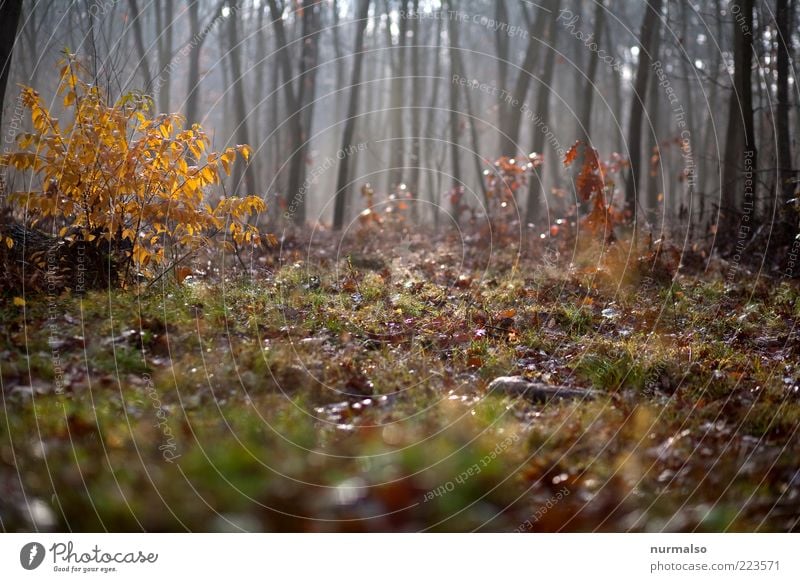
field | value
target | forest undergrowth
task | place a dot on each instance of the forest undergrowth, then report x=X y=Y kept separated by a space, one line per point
x=334 y=386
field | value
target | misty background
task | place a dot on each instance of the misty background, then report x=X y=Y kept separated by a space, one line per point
x=444 y=89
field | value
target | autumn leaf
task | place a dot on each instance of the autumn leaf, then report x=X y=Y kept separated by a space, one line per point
x=181 y=273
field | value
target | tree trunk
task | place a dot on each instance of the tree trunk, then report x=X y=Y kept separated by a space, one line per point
x=784 y=18
x=470 y=114
x=297 y=146
x=687 y=158
x=434 y=178
x=710 y=156
x=591 y=74
x=513 y=104
x=535 y=186
x=309 y=61
x=276 y=130
x=193 y=80
x=455 y=150
x=337 y=50
x=740 y=150
x=647 y=38
x=164 y=30
x=616 y=89
x=138 y=38
x=308 y=89
x=396 y=105
x=654 y=148
x=653 y=131
x=416 y=120
x=240 y=107
x=260 y=69
x=9 y=20
x=502 y=49
x=343 y=178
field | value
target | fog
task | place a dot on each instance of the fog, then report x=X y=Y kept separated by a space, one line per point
x=444 y=90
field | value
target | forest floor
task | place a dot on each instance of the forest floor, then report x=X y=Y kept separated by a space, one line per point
x=345 y=389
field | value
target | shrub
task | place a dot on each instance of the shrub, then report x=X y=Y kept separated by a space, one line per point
x=119 y=177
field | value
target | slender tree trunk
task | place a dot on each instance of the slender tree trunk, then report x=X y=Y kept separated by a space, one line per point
x=307 y=92
x=473 y=129
x=535 y=186
x=616 y=90
x=455 y=150
x=9 y=20
x=502 y=48
x=647 y=38
x=138 y=38
x=337 y=49
x=193 y=79
x=276 y=131
x=740 y=150
x=784 y=19
x=434 y=178
x=653 y=149
x=343 y=178
x=310 y=60
x=297 y=147
x=239 y=104
x=685 y=202
x=416 y=113
x=396 y=105
x=458 y=67
x=260 y=69
x=591 y=74
x=710 y=156
x=513 y=104
x=371 y=67
x=653 y=131
x=164 y=17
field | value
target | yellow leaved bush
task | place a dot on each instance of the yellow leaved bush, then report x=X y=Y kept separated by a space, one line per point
x=117 y=173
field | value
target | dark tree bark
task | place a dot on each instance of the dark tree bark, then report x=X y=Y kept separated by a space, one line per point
x=239 y=104
x=740 y=150
x=274 y=125
x=690 y=180
x=416 y=113
x=337 y=49
x=164 y=17
x=343 y=178
x=458 y=67
x=653 y=147
x=434 y=178
x=784 y=20
x=616 y=93
x=455 y=150
x=138 y=38
x=396 y=101
x=295 y=99
x=535 y=189
x=710 y=156
x=512 y=111
x=9 y=20
x=260 y=67
x=647 y=37
x=502 y=49
x=591 y=74
x=310 y=59
x=193 y=79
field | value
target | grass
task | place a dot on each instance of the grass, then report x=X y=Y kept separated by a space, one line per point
x=359 y=403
